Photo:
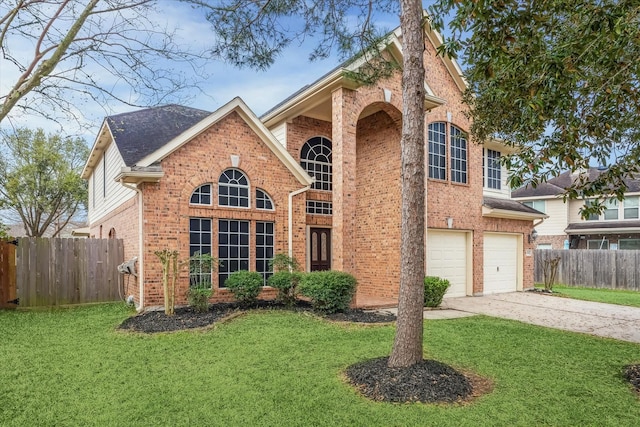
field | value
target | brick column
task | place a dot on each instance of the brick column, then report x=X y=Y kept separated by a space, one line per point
x=345 y=121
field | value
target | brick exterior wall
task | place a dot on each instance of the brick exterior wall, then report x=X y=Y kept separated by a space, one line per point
x=124 y=220
x=202 y=160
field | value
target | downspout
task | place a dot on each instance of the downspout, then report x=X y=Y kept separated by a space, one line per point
x=293 y=193
x=140 y=242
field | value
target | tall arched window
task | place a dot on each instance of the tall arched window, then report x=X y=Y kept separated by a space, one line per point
x=315 y=158
x=233 y=189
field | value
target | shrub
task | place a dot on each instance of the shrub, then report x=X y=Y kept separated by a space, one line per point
x=283 y=262
x=199 y=299
x=245 y=286
x=434 y=290
x=286 y=283
x=330 y=291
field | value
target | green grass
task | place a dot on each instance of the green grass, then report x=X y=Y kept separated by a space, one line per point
x=611 y=296
x=70 y=367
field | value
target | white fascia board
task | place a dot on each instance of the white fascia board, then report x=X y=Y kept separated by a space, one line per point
x=620 y=230
x=97 y=149
x=531 y=198
x=239 y=106
x=507 y=214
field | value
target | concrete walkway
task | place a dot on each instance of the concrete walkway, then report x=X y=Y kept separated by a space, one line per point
x=604 y=320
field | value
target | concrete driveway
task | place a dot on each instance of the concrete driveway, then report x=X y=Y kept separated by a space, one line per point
x=604 y=320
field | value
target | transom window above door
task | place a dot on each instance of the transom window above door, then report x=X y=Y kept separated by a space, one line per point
x=233 y=189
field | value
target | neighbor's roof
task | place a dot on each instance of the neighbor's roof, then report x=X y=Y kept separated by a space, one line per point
x=603 y=227
x=557 y=185
x=140 y=133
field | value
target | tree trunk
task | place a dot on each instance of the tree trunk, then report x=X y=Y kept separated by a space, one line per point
x=407 y=346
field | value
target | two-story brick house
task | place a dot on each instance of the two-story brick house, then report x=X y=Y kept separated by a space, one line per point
x=317 y=177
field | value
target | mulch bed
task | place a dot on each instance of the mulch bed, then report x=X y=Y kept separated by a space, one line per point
x=186 y=318
x=632 y=374
x=428 y=382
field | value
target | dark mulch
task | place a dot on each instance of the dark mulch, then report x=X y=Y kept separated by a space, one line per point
x=632 y=374
x=428 y=381
x=186 y=318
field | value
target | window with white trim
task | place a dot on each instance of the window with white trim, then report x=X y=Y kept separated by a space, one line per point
x=199 y=244
x=631 y=208
x=629 y=244
x=318 y=207
x=264 y=248
x=201 y=195
x=437 y=138
x=233 y=189
x=263 y=200
x=458 y=155
x=598 y=244
x=539 y=205
x=593 y=216
x=493 y=169
x=315 y=158
x=233 y=248
x=611 y=209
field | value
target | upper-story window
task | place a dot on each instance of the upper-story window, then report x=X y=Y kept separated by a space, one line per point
x=201 y=195
x=538 y=205
x=631 y=208
x=263 y=201
x=493 y=174
x=315 y=158
x=437 y=136
x=437 y=151
x=233 y=189
x=611 y=209
x=458 y=155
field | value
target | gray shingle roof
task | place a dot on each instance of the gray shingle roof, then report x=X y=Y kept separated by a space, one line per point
x=508 y=205
x=140 y=133
x=557 y=185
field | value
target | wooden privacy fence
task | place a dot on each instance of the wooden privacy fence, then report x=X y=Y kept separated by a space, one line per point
x=592 y=268
x=68 y=271
x=7 y=274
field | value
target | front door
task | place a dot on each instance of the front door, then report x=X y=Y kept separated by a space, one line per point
x=320 y=249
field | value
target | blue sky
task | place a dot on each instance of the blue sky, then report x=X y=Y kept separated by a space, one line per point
x=261 y=90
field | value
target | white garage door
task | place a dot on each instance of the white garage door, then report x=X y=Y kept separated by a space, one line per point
x=500 y=263
x=447 y=258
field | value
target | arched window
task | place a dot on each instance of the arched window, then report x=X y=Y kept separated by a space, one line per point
x=315 y=158
x=458 y=155
x=201 y=195
x=439 y=134
x=263 y=201
x=233 y=189
x=112 y=233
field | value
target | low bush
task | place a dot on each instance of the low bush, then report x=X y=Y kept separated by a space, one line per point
x=286 y=283
x=434 y=290
x=330 y=291
x=245 y=286
x=198 y=299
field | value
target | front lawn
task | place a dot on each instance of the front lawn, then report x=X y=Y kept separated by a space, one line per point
x=71 y=367
x=611 y=296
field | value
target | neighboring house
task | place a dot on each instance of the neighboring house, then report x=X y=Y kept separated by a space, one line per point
x=317 y=177
x=71 y=230
x=618 y=227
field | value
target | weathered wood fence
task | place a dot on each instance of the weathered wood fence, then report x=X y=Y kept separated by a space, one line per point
x=8 y=274
x=593 y=268
x=51 y=272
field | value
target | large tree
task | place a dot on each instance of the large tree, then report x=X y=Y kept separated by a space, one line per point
x=254 y=32
x=58 y=55
x=40 y=177
x=559 y=80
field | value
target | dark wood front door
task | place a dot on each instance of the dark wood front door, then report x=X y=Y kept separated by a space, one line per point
x=320 y=249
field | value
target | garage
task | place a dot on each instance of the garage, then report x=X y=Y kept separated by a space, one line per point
x=447 y=257
x=502 y=265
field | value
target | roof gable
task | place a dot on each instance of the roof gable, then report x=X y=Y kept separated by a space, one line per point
x=236 y=105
